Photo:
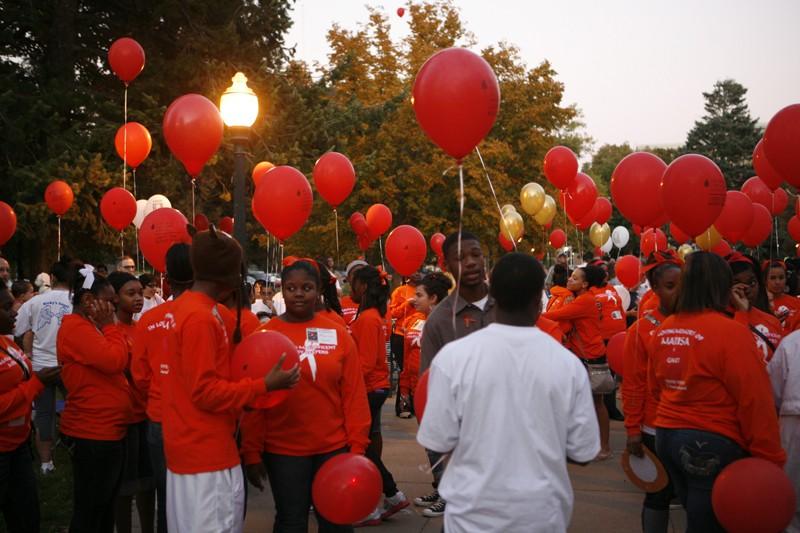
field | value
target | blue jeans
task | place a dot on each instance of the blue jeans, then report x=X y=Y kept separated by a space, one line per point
x=694 y=459
x=155 y=440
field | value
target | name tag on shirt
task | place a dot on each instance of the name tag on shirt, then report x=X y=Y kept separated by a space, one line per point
x=322 y=336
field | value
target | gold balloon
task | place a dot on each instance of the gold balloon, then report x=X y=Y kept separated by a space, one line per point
x=512 y=226
x=684 y=250
x=508 y=208
x=532 y=198
x=708 y=239
x=545 y=215
x=598 y=234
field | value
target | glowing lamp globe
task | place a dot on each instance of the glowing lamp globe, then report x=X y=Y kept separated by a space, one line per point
x=239 y=104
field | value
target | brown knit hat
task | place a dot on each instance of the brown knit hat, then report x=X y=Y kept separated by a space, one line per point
x=216 y=256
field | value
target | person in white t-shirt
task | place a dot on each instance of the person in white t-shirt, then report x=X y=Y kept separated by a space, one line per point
x=152 y=298
x=511 y=406
x=38 y=321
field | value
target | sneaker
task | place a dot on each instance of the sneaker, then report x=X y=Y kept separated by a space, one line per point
x=393 y=504
x=404 y=406
x=427 y=500
x=374 y=518
x=48 y=468
x=437 y=509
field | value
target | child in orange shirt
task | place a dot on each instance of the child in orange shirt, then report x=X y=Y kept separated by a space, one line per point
x=781 y=304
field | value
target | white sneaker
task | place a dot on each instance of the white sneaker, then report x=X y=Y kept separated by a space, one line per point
x=394 y=504
x=374 y=518
x=48 y=467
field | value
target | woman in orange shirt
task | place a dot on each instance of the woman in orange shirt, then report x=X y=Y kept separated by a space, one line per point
x=325 y=415
x=19 y=385
x=328 y=304
x=714 y=396
x=781 y=304
x=94 y=355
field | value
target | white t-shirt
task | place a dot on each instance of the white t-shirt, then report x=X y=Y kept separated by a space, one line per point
x=511 y=404
x=280 y=305
x=149 y=303
x=42 y=315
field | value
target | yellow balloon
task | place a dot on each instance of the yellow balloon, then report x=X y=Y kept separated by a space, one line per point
x=508 y=208
x=598 y=234
x=545 y=215
x=532 y=198
x=708 y=239
x=512 y=226
x=684 y=250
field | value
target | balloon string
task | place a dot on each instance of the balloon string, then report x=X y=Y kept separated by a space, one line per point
x=125 y=139
x=136 y=238
x=281 y=255
x=194 y=185
x=336 y=224
x=121 y=244
x=59 y=237
x=458 y=244
x=380 y=248
x=496 y=202
x=133 y=173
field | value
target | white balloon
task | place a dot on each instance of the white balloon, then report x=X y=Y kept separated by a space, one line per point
x=141 y=205
x=607 y=246
x=620 y=236
x=157 y=201
x=624 y=295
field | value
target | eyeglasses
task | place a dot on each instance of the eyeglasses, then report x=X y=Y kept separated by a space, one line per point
x=129 y=267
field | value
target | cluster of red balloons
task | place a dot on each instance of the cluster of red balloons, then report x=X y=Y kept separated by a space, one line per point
x=369 y=228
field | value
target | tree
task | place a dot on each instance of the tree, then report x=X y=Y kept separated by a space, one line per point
x=726 y=134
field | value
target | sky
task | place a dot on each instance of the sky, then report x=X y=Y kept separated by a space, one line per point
x=636 y=68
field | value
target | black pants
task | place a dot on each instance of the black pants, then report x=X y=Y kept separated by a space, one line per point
x=656 y=500
x=290 y=478
x=97 y=473
x=155 y=441
x=375 y=449
x=18 y=496
x=396 y=345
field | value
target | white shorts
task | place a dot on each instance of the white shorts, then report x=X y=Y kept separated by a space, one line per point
x=210 y=502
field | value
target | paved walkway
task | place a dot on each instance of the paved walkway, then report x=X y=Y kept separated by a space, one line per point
x=605 y=501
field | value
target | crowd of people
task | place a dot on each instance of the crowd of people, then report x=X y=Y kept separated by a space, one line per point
x=516 y=362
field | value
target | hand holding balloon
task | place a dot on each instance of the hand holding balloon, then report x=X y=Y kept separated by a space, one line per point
x=278 y=378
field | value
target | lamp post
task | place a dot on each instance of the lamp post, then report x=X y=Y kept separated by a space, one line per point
x=239 y=108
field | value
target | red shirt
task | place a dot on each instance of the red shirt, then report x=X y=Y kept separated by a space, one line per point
x=638 y=401
x=369 y=332
x=138 y=396
x=201 y=404
x=612 y=315
x=767 y=325
x=583 y=315
x=328 y=408
x=99 y=399
x=710 y=376
x=18 y=387
x=400 y=308
x=333 y=316
x=349 y=309
x=153 y=344
x=411 y=345
x=649 y=302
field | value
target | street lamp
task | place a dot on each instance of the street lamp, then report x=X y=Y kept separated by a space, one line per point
x=239 y=108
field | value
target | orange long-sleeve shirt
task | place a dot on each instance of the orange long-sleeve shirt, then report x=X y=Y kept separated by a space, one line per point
x=369 y=332
x=411 y=346
x=648 y=303
x=787 y=309
x=18 y=387
x=558 y=297
x=349 y=309
x=98 y=394
x=138 y=396
x=328 y=408
x=710 y=376
x=638 y=401
x=551 y=327
x=201 y=404
x=612 y=315
x=767 y=325
x=332 y=316
x=153 y=344
x=400 y=307
x=584 y=316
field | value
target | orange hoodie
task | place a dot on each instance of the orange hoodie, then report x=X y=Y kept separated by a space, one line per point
x=411 y=345
x=612 y=315
x=369 y=332
x=638 y=402
x=767 y=325
x=153 y=344
x=328 y=408
x=558 y=297
x=99 y=399
x=201 y=404
x=400 y=308
x=18 y=387
x=551 y=327
x=711 y=377
x=583 y=315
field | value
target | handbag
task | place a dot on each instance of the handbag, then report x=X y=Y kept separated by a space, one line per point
x=600 y=378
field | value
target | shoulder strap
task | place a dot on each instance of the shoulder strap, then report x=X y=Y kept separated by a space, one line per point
x=763 y=337
x=25 y=370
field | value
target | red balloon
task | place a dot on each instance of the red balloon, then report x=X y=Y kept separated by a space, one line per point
x=421 y=395
x=226 y=225
x=139 y=143
x=193 y=131
x=780 y=201
x=767 y=504
x=334 y=177
x=760 y=228
x=257 y=355
x=359 y=224
x=782 y=143
x=126 y=58
x=636 y=188
x=678 y=234
x=637 y=230
x=764 y=169
x=652 y=240
x=406 y=249
x=379 y=220
x=282 y=202
x=437 y=240
x=628 y=269
x=201 y=222
x=587 y=220
x=602 y=210
x=736 y=216
x=794 y=228
x=456 y=99
x=259 y=170
x=560 y=166
x=615 y=352
x=346 y=488
x=401 y=11
x=364 y=242
x=557 y=238
x=59 y=197
x=118 y=208
x=159 y=231
x=722 y=248
x=8 y=223
x=693 y=193
x=580 y=196
x=505 y=242
x=758 y=192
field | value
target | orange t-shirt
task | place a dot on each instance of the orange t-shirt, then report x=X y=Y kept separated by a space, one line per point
x=138 y=396
x=18 y=387
x=710 y=376
x=369 y=332
x=612 y=315
x=153 y=344
x=583 y=315
x=349 y=309
x=333 y=316
x=328 y=408
x=400 y=308
x=648 y=303
x=201 y=403
x=411 y=345
x=551 y=327
x=767 y=325
x=638 y=402
x=787 y=309
x=98 y=394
